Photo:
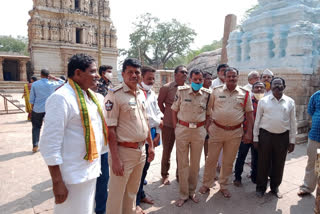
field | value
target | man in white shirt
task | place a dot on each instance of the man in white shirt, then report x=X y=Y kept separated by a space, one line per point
x=253 y=77
x=275 y=132
x=220 y=76
x=266 y=78
x=72 y=158
x=155 y=122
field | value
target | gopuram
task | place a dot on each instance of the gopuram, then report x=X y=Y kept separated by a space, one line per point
x=283 y=36
x=58 y=29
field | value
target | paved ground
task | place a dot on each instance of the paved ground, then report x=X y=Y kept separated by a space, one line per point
x=25 y=184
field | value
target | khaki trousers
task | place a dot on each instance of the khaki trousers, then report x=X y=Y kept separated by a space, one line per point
x=310 y=177
x=168 y=138
x=123 y=189
x=189 y=140
x=230 y=148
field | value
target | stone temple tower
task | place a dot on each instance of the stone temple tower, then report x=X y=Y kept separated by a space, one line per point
x=283 y=36
x=59 y=29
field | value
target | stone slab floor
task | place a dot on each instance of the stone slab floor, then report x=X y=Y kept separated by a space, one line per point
x=25 y=184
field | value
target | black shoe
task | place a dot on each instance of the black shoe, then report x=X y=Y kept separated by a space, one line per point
x=237 y=183
x=276 y=193
x=259 y=194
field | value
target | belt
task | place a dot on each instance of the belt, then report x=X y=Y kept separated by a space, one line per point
x=132 y=145
x=192 y=125
x=228 y=128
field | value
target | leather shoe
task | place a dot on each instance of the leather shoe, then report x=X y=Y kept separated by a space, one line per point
x=237 y=183
x=259 y=194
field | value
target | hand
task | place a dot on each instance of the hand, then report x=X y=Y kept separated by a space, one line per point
x=208 y=123
x=247 y=138
x=156 y=140
x=117 y=167
x=255 y=144
x=161 y=124
x=60 y=192
x=150 y=154
x=290 y=147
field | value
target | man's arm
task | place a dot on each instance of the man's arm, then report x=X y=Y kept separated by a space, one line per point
x=174 y=118
x=247 y=138
x=293 y=129
x=59 y=189
x=117 y=165
x=32 y=96
x=311 y=106
x=151 y=148
x=161 y=98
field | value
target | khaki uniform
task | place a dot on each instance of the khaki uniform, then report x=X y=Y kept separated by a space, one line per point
x=127 y=113
x=192 y=108
x=166 y=96
x=228 y=110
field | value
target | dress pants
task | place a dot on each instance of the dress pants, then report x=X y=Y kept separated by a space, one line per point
x=168 y=138
x=272 y=150
x=230 y=148
x=36 y=120
x=310 y=177
x=123 y=189
x=102 y=186
x=189 y=141
x=242 y=155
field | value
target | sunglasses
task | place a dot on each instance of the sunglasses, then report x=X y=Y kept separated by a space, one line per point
x=184 y=72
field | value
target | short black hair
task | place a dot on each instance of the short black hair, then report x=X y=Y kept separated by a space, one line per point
x=279 y=78
x=63 y=77
x=45 y=72
x=222 y=66
x=205 y=74
x=104 y=68
x=131 y=62
x=34 y=78
x=196 y=71
x=256 y=83
x=145 y=69
x=231 y=69
x=79 y=61
x=176 y=70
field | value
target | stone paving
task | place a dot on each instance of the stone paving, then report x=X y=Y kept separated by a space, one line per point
x=25 y=183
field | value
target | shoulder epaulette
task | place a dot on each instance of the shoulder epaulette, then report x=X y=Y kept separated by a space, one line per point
x=220 y=86
x=117 y=88
x=206 y=90
x=183 y=87
x=244 y=89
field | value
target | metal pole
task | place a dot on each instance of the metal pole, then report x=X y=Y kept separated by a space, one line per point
x=99 y=33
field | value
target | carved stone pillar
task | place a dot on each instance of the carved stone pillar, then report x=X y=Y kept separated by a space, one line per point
x=230 y=24
x=23 y=70
x=1 y=69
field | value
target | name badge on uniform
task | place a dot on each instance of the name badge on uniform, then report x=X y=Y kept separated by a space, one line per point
x=109 y=105
x=188 y=100
x=222 y=97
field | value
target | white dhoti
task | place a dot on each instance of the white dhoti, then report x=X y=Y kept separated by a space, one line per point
x=80 y=199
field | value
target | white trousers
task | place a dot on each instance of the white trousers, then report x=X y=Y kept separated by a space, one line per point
x=80 y=199
x=310 y=177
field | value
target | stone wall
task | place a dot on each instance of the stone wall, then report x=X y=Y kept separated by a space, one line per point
x=58 y=29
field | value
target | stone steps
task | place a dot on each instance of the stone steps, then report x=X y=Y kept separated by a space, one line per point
x=12 y=86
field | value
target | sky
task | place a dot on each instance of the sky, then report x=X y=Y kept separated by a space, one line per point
x=206 y=17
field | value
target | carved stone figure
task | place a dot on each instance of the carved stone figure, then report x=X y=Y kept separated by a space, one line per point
x=86 y=6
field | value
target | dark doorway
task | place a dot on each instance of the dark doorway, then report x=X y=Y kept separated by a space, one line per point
x=11 y=70
x=77 y=4
x=79 y=35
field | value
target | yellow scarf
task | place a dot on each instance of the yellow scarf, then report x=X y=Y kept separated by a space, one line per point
x=91 y=146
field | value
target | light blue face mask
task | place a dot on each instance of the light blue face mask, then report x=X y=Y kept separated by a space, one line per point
x=196 y=86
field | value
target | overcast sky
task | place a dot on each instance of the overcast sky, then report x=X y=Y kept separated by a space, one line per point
x=206 y=17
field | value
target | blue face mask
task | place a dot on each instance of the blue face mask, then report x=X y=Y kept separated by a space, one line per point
x=196 y=86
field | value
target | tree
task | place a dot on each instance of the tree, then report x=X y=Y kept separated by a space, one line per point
x=155 y=42
x=11 y=44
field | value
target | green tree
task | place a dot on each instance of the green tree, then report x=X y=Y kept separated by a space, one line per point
x=11 y=44
x=156 y=43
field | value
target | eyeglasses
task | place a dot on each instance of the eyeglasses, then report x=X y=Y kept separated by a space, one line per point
x=184 y=72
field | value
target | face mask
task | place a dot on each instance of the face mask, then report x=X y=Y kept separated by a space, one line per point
x=258 y=96
x=268 y=86
x=146 y=87
x=108 y=75
x=196 y=86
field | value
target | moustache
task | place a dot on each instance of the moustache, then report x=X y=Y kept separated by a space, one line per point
x=279 y=88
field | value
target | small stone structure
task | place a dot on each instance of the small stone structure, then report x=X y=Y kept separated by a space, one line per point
x=284 y=36
x=59 y=29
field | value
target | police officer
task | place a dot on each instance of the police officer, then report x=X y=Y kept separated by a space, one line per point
x=230 y=104
x=190 y=111
x=128 y=130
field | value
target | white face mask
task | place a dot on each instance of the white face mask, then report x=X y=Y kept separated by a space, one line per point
x=146 y=87
x=108 y=75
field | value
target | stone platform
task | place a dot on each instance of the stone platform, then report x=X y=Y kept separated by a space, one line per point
x=26 y=186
